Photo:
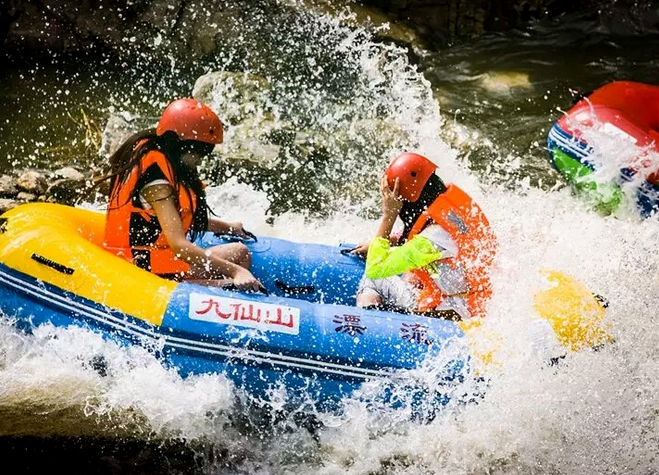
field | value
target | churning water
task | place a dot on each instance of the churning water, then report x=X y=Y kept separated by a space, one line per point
x=332 y=107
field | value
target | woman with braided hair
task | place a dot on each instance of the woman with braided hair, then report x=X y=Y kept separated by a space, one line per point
x=157 y=205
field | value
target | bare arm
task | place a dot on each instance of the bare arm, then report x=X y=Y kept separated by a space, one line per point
x=391 y=205
x=362 y=248
x=161 y=199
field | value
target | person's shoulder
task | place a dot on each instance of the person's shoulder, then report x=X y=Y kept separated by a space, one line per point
x=440 y=238
x=153 y=173
x=154 y=156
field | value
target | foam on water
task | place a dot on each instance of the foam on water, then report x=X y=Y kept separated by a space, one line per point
x=595 y=412
x=80 y=384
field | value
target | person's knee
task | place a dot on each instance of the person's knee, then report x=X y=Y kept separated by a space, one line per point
x=242 y=254
x=367 y=299
x=236 y=252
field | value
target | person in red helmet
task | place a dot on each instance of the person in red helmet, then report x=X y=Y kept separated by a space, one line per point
x=157 y=204
x=440 y=263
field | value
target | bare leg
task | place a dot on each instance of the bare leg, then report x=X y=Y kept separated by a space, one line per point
x=367 y=299
x=235 y=252
x=391 y=291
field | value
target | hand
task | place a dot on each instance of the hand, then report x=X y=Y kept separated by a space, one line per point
x=245 y=281
x=236 y=229
x=361 y=249
x=391 y=201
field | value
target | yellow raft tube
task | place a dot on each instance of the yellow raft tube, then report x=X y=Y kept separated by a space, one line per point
x=49 y=241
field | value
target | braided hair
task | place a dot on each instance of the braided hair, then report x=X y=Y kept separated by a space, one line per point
x=130 y=155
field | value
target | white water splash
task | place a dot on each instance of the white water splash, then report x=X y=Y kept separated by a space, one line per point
x=595 y=412
x=105 y=388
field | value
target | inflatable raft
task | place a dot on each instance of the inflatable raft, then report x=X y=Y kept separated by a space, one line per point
x=627 y=112
x=305 y=336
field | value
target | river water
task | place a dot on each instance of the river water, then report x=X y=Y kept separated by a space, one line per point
x=482 y=110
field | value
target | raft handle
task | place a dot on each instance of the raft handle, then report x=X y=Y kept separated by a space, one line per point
x=233 y=288
x=249 y=235
x=52 y=264
x=3 y=222
x=603 y=301
x=444 y=314
x=293 y=290
x=348 y=252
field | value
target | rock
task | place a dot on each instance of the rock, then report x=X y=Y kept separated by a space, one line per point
x=24 y=196
x=66 y=190
x=70 y=173
x=33 y=182
x=505 y=82
x=377 y=20
x=187 y=31
x=7 y=186
x=243 y=103
x=118 y=128
x=7 y=204
x=236 y=96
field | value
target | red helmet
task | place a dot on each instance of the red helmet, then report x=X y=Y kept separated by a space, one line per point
x=413 y=171
x=191 y=120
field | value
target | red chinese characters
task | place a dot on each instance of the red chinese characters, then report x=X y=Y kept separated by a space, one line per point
x=252 y=314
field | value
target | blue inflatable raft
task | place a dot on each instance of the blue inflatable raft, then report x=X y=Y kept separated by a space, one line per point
x=305 y=335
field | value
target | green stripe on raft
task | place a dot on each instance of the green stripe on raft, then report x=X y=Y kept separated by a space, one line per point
x=605 y=197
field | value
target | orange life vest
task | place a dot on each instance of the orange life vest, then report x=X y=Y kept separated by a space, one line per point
x=122 y=216
x=463 y=219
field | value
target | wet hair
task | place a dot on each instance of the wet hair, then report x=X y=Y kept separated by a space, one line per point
x=410 y=212
x=131 y=152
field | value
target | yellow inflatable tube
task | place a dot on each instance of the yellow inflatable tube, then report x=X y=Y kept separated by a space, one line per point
x=576 y=317
x=54 y=243
x=575 y=314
